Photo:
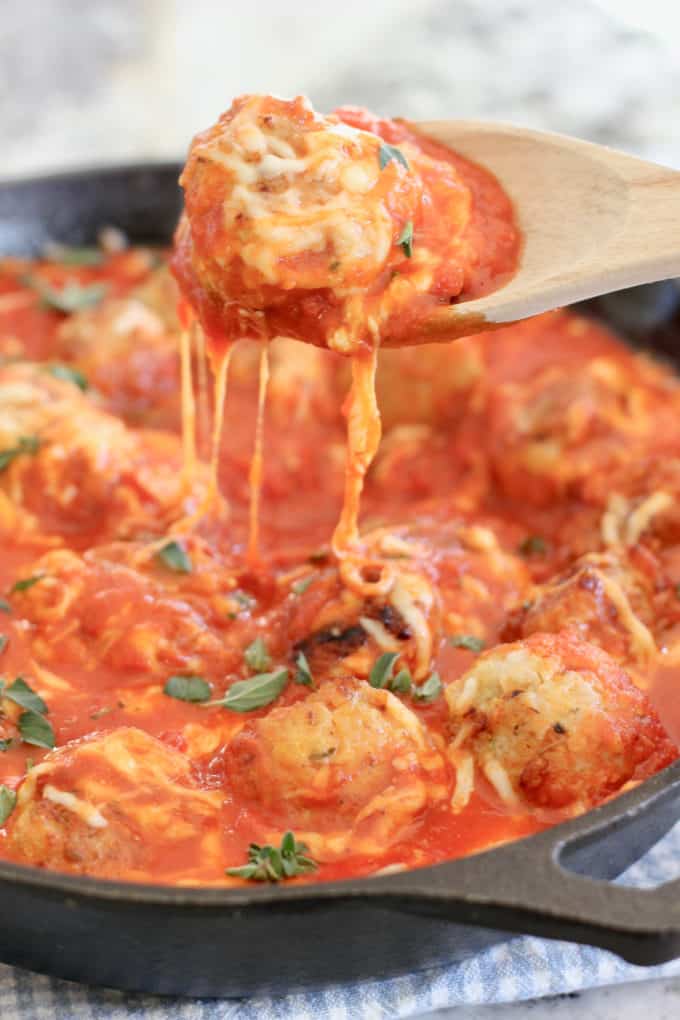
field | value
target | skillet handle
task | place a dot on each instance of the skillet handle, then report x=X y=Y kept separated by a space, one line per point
x=524 y=887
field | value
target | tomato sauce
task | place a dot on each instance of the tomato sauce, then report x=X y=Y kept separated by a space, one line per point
x=111 y=614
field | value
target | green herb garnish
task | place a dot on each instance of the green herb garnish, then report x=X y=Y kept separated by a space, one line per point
x=401 y=683
x=69 y=374
x=533 y=545
x=467 y=641
x=429 y=690
x=301 y=586
x=187 y=688
x=71 y=298
x=256 y=656
x=21 y=694
x=3 y=642
x=5 y=606
x=8 y=799
x=304 y=674
x=35 y=729
x=406 y=239
x=28 y=445
x=258 y=691
x=381 y=673
x=25 y=583
x=274 y=864
x=174 y=557
x=75 y=256
x=386 y=153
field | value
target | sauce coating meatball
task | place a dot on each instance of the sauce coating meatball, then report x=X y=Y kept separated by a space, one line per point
x=79 y=472
x=110 y=805
x=601 y=598
x=353 y=766
x=303 y=225
x=553 y=724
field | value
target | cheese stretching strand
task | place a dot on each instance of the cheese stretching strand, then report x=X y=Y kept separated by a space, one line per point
x=256 y=464
x=321 y=228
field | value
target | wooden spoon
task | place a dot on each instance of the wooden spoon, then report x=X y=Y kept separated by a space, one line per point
x=594 y=220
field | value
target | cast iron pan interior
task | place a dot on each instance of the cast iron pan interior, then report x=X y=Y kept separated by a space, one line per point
x=263 y=939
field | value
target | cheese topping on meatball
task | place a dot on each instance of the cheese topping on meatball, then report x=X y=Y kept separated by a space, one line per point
x=553 y=724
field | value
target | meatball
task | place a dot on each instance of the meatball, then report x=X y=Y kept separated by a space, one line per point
x=553 y=725
x=350 y=767
x=552 y=431
x=601 y=598
x=437 y=578
x=130 y=613
x=117 y=805
x=80 y=472
x=292 y=218
x=127 y=355
x=344 y=620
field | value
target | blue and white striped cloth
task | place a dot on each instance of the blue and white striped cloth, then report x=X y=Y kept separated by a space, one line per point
x=524 y=968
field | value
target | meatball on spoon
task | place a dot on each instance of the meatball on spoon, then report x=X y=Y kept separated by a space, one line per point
x=350 y=231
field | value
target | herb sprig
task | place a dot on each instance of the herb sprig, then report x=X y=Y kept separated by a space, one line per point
x=275 y=864
x=187 y=688
x=301 y=586
x=405 y=239
x=382 y=676
x=26 y=445
x=470 y=642
x=74 y=256
x=24 y=583
x=33 y=727
x=256 y=692
x=256 y=655
x=8 y=799
x=429 y=690
x=72 y=297
x=387 y=153
x=69 y=373
x=174 y=556
x=303 y=674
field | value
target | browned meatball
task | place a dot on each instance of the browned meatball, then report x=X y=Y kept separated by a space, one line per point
x=78 y=471
x=552 y=724
x=350 y=767
x=115 y=805
x=601 y=598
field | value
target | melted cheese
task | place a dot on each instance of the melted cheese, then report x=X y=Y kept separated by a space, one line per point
x=642 y=641
x=92 y=816
x=363 y=438
x=257 y=462
x=296 y=192
x=221 y=381
x=188 y=409
x=622 y=526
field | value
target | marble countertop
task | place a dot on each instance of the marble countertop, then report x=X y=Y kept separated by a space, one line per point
x=123 y=80
x=117 y=80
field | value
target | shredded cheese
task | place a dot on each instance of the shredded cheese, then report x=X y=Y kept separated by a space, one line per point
x=86 y=812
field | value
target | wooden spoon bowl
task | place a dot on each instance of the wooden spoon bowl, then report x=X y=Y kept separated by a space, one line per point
x=593 y=220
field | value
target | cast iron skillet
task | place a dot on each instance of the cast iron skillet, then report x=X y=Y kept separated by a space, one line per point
x=242 y=941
